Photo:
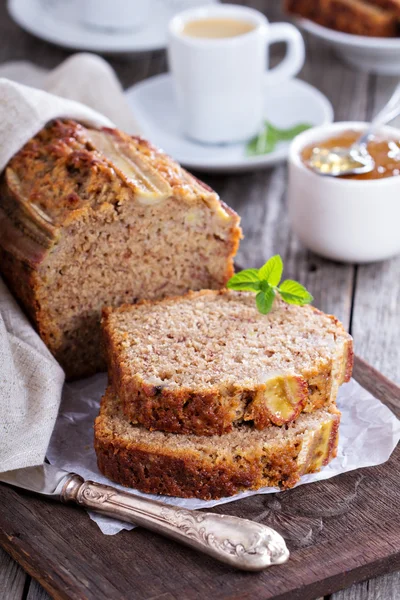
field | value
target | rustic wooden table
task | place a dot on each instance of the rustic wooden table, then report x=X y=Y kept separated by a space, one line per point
x=365 y=298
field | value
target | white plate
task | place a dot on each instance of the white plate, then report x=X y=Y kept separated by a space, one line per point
x=58 y=22
x=374 y=54
x=154 y=106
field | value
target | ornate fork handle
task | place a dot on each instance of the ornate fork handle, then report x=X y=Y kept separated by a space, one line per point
x=238 y=542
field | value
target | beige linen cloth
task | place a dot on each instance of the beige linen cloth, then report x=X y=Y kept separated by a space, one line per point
x=31 y=380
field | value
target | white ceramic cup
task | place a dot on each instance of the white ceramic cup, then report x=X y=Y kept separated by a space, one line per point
x=116 y=14
x=220 y=82
x=349 y=220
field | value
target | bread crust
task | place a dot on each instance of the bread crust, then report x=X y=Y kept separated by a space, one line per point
x=184 y=473
x=392 y=6
x=219 y=408
x=375 y=18
x=58 y=181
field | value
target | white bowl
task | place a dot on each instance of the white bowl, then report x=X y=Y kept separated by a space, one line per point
x=349 y=220
x=374 y=54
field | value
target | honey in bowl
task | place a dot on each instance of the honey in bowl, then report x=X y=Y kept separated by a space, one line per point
x=384 y=151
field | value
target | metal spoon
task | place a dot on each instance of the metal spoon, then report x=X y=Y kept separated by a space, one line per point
x=336 y=162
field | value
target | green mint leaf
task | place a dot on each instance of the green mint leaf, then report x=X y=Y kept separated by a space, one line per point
x=264 y=282
x=264 y=285
x=266 y=141
x=283 y=135
x=263 y=143
x=245 y=281
x=272 y=270
x=293 y=292
x=265 y=299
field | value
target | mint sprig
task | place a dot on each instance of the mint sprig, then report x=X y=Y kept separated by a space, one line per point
x=265 y=283
x=266 y=141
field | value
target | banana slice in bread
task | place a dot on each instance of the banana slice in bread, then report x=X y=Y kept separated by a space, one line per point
x=211 y=467
x=208 y=361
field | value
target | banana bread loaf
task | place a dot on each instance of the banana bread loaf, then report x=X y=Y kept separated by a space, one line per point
x=350 y=16
x=207 y=361
x=211 y=467
x=392 y=6
x=95 y=217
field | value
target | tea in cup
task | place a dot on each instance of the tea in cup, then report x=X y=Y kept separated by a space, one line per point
x=218 y=56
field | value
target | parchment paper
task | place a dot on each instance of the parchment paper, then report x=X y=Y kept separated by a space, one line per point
x=369 y=432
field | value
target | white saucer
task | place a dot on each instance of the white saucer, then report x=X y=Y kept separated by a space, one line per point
x=58 y=22
x=287 y=104
x=374 y=54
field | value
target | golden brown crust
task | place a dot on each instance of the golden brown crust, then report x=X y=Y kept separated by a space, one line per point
x=217 y=410
x=62 y=160
x=350 y=16
x=392 y=6
x=21 y=280
x=349 y=361
x=210 y=413
x=170 y=476
x=183 y=472
x=59 y=183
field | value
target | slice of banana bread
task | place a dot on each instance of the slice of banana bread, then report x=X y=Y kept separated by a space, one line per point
x=95 y=217
x=211 y=467
x=209 y=360
x=350 y=16
x=392 y=6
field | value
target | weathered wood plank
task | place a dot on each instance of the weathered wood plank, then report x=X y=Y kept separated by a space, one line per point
x=386 y=587
x=36 y=592
x=376 y=313
x=12 y=578
x=376 y=331
x=379 y=385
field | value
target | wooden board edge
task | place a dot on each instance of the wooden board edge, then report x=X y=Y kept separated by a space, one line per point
x=371 y=379
x=336 y=583
x=64 y=585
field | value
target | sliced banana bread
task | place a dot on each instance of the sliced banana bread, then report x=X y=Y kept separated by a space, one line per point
x=211 y=467
x=358 y=17
x=95 y=217
x=392 y=6
x=209 y=360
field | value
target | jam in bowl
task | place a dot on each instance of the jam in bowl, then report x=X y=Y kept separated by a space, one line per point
x=385 y=151
x=353 y=218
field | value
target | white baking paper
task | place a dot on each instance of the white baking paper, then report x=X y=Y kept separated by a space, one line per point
x=369 y=432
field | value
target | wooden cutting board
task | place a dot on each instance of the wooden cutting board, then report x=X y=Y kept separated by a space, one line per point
x=339 y=532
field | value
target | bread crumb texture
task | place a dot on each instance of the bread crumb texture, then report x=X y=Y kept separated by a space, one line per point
x=373 y=18
x=208 y=361
x=90 y=218
x=211 y=467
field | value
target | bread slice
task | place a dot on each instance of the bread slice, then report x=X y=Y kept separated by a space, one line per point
x=392 y=6
x=350 y=16
x=211 y=467
x=207 y=361
x=95 y=217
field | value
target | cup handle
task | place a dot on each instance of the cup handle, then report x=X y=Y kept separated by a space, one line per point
x=295 y=53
